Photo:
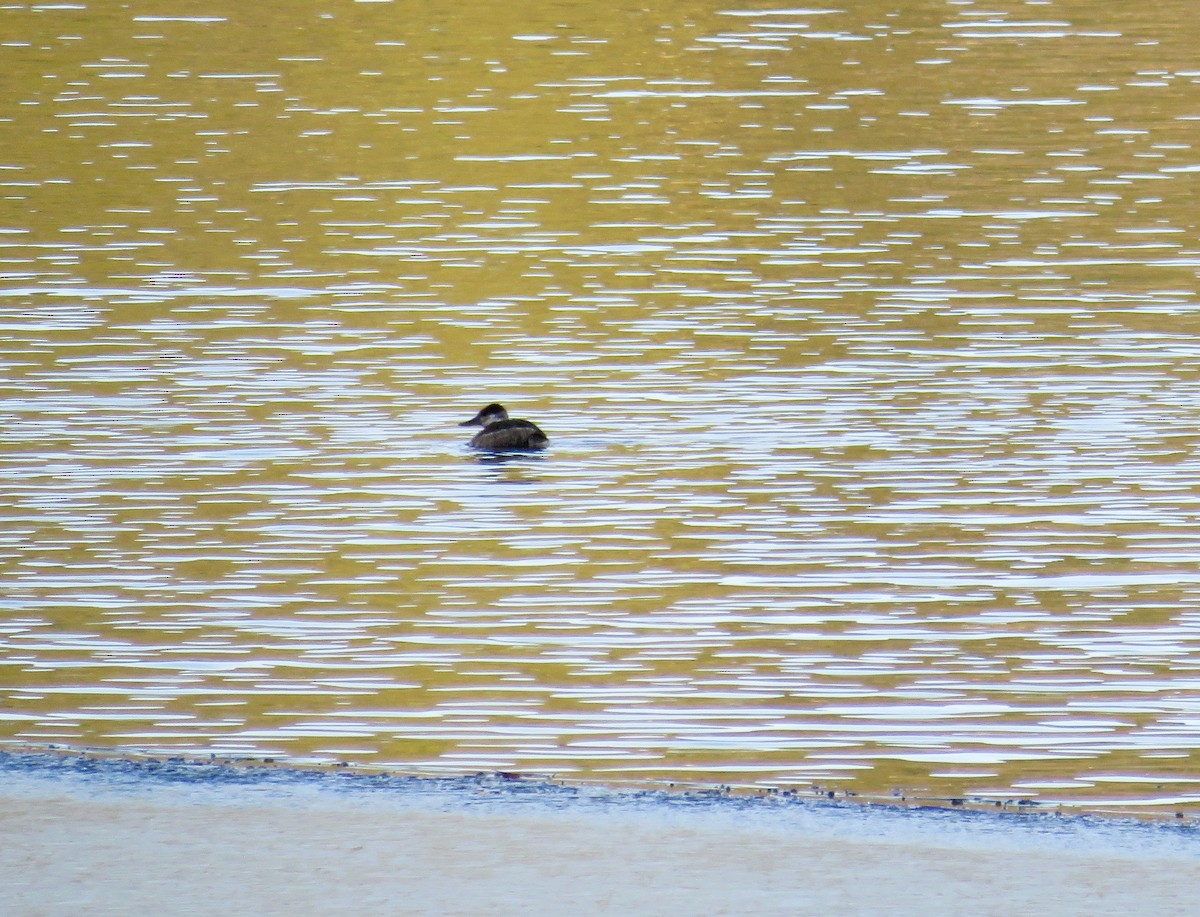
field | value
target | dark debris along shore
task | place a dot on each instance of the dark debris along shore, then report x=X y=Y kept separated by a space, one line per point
x=115 y=771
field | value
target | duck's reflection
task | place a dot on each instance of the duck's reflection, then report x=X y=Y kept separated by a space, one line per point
x=512 y=467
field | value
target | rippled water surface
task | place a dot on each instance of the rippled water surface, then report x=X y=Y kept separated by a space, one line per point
x=866 y=340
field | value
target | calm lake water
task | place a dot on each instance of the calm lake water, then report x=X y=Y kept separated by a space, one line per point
x=867 y=342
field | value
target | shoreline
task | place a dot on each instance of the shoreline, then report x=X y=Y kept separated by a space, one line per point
x=116 y=836
x=168 y=767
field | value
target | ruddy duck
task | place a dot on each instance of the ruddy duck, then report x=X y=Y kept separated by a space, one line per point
x=499 y=434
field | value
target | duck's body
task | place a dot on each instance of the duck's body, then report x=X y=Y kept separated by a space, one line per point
x=500 y=434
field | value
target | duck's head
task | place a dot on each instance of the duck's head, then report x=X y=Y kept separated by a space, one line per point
x=490 y=414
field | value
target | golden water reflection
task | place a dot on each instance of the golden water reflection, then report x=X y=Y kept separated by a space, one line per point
x=866 y=341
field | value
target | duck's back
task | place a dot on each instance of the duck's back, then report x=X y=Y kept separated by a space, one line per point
x=505 y=435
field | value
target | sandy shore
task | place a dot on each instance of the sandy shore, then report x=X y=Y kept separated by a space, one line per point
x=84 y=845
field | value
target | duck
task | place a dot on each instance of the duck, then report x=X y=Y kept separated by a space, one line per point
x=499 y=434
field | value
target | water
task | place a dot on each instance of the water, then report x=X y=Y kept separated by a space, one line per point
x=866 y=343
